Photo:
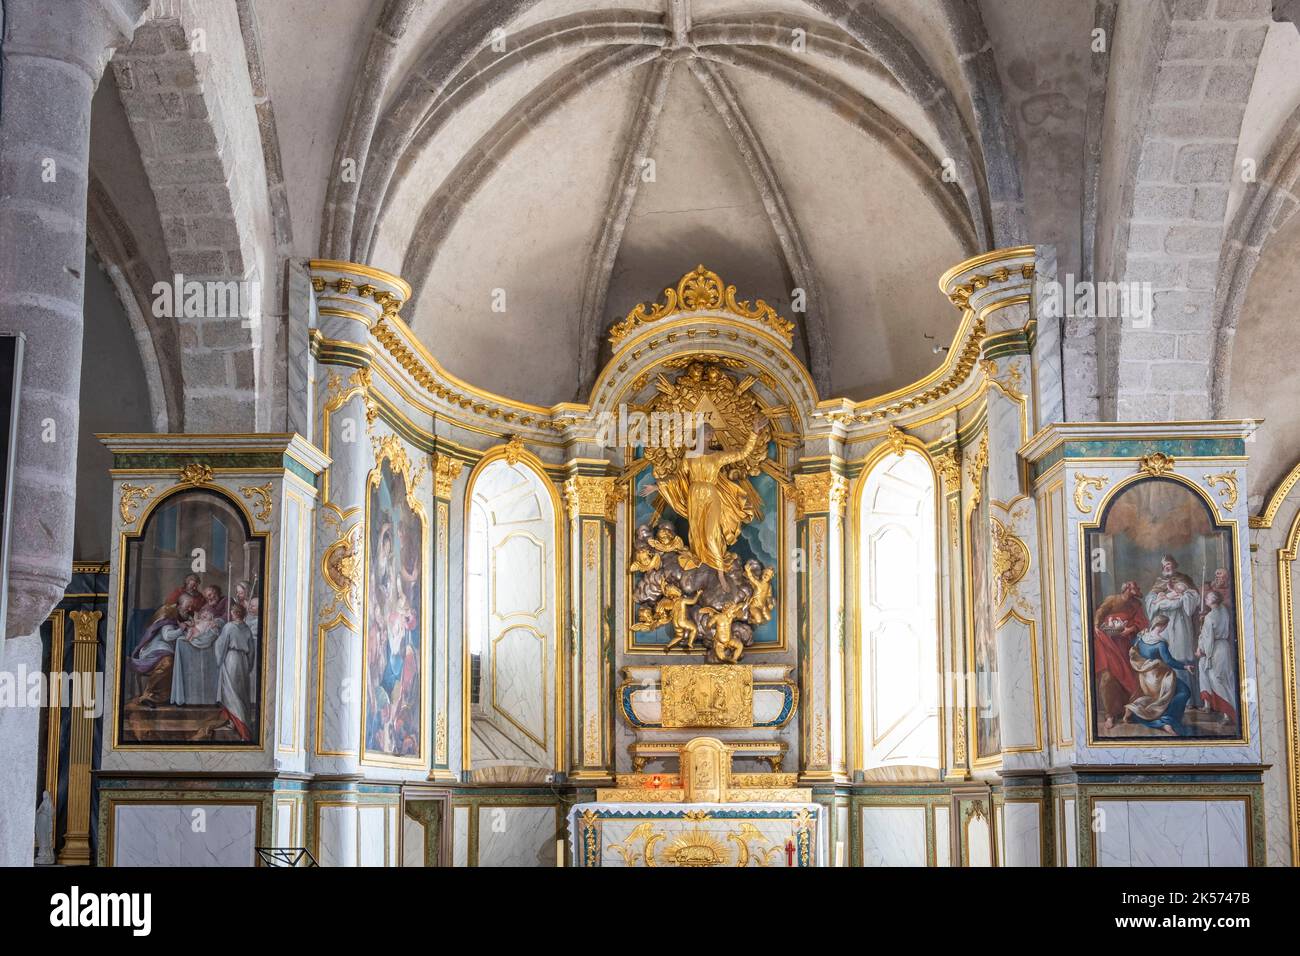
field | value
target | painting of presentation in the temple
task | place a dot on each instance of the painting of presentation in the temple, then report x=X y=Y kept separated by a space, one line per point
x=192 y=632
x=988 y=726
x=1164 y=644
x=394 y=653
x=706 y=529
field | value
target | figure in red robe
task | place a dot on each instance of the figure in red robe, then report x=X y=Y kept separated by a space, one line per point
x=1119 y=619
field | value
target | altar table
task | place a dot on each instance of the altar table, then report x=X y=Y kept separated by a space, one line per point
x=698 y=834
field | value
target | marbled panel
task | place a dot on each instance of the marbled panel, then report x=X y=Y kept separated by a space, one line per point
x=1168 y=833
x=1225 y=825
x=460 y=836
x=893 y=836
x=339 y=721
x=979 y=849
x=206 y=834
x=519 y=681
x=942 y=836
x=336 y=835
x=284 y=835
x=412 y=842
x=1022 y=833
x=1110 y=833
x=516 y=836
x=1070 y=827
x=371 y=823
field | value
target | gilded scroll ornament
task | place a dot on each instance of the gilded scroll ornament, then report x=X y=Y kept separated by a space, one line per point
x=1010 y=560
x=976 y=468
x=1229 y=490
x=701 y=290
x=196 y=474
x=338 y=393
x=341 y=569
x=699 y=695
x=131 y=495
x=514 y=450
x=959 y=737
x=1157 y=463
x=896 y=438
x=1084 y=486
x=440 y=739
x=263 y=494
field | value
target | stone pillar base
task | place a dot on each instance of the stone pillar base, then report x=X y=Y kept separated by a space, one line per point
x=19 y=739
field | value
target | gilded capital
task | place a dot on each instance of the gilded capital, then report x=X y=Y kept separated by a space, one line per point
x=593 y=495
x=949 y=467
x=445 y=472
x=820 y=493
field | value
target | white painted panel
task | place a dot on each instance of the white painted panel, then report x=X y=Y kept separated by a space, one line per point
x=942 y=841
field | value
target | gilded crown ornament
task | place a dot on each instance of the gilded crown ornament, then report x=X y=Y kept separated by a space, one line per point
x=701 y=290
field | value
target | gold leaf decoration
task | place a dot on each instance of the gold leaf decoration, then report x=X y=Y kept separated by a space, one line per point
x=262 y=508
x=196 y=474
x=1084 y=486
x=1157 y=463
x=132 y=495
x=701 y=290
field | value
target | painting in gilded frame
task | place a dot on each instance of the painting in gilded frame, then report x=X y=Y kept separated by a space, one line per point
x=1162 y=624
x=759 y=540
x=192 y=635
x=394 y=662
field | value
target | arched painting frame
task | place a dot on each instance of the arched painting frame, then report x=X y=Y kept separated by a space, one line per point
x=192 y=531
x=1158 y=549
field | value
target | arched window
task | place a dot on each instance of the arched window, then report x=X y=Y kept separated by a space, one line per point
x=898 y=599
x=511 y=624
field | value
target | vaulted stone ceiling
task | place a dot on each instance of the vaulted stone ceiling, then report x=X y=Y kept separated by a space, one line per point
x=602 y=149
x=567 y=159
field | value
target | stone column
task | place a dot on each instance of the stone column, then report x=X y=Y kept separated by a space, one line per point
x=592 y=504
x=821 y=498
x=54 y=55
x=997 y=288
x=446 y=470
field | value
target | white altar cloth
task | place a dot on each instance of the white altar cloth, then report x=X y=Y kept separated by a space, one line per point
x=698 y=834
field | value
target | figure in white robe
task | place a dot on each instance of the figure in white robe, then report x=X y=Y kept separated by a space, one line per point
x=1174 y=596
x=194 y=671
x=1218 y=661
x=237 y=686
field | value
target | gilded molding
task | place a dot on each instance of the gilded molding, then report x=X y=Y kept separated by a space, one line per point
x=820 y=493
x=701 y=290
x=960 y=295
x=705 y=695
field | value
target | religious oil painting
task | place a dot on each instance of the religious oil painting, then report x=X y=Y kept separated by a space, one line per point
x=394 y=649
x=705 y=540
x=987 y=723
x=193 y=635
x=1164 y=635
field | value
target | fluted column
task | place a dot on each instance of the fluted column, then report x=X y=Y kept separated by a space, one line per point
x=997 y=288
x=592 y=505
x=54 y=55
x=820 y=499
